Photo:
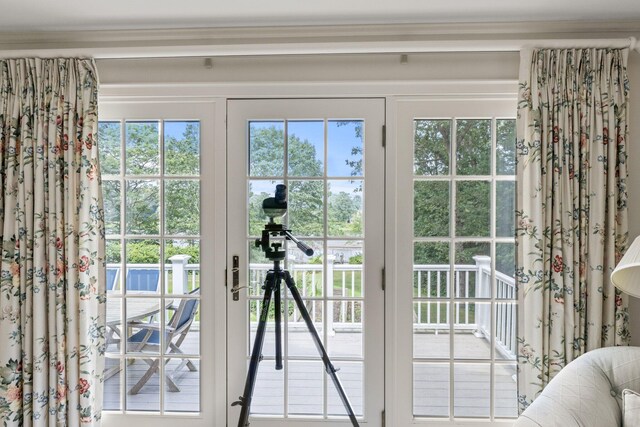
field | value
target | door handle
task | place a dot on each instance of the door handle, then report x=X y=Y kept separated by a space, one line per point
x=235 y=278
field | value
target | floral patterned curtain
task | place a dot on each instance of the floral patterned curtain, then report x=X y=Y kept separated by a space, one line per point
x=571 y=208
x=52 y=297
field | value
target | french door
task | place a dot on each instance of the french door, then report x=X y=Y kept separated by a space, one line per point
x=454 y=344
x=330 y=155
x=159 y=173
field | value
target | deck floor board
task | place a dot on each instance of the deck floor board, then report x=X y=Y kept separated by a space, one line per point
x=306 y=379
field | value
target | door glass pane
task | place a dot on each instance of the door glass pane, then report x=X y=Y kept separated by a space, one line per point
x=306 y=396
x=143 y=266
x=181 y=266
x=431 y=384
x=142 y=395
x=299 y=338
x=472 y=322
x=114 y=266
x=345 y=144
x=143 y=316
x=473 y=138
x=111 y=195
x=505 y=403
x=505 y=208
x=182 y=148
x=473 y=208
x=506 y=147
x=142 y=148
x=473 y=270
x=506 y=321
x=345 y=207
x=305 y=148
x=431 y=208
x=266 y=148
x=258 y=191
x=346 y=331
x=109 y=143
x=345 y=318
x=187 y=398
x=268 y=395
x=182 y=207
x=143 y=207
x=112 y=385
x=307 y=272
x=306 y=208
x=472 y=383
x=505 y=271
x=183 y=314
x=351 y=376
x=432 y=147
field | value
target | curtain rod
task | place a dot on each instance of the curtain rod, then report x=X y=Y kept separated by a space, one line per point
x=256 y=48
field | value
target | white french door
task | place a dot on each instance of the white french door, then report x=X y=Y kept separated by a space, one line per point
x=163 y=198
x=330 y=155
x=454 y=340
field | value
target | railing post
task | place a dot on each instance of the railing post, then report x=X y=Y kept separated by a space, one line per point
x=330 y=330
x=483 y=290
x=179 y=272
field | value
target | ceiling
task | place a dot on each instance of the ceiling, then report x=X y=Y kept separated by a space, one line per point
x=68 y=15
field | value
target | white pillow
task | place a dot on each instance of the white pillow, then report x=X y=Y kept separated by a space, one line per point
x=630 y=408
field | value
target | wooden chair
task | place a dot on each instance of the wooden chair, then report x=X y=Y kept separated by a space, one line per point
x=148 y=337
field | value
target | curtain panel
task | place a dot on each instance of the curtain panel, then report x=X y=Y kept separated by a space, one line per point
x=571 y=208
x=52 y=297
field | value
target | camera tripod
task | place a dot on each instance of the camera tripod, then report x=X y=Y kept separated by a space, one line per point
x=272 y=283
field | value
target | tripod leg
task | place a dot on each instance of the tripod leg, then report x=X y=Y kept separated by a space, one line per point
x=256 y=354
x=323 y=353
x=278 y=315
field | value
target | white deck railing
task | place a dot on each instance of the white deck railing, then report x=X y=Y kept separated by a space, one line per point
x=432 y=287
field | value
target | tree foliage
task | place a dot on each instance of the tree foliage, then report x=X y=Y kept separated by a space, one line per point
x=307 y=198
x=142 y=195
x=433 y=198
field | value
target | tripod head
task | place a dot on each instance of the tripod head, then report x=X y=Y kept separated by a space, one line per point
x=274 y=207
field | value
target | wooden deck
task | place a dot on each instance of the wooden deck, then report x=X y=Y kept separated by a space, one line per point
x=307 y=380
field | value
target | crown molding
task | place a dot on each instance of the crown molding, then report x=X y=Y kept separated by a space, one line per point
x=301 y=39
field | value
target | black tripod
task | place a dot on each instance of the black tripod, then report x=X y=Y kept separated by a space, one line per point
x=272 y=283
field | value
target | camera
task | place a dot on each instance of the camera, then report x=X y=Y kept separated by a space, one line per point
x=276 y=206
